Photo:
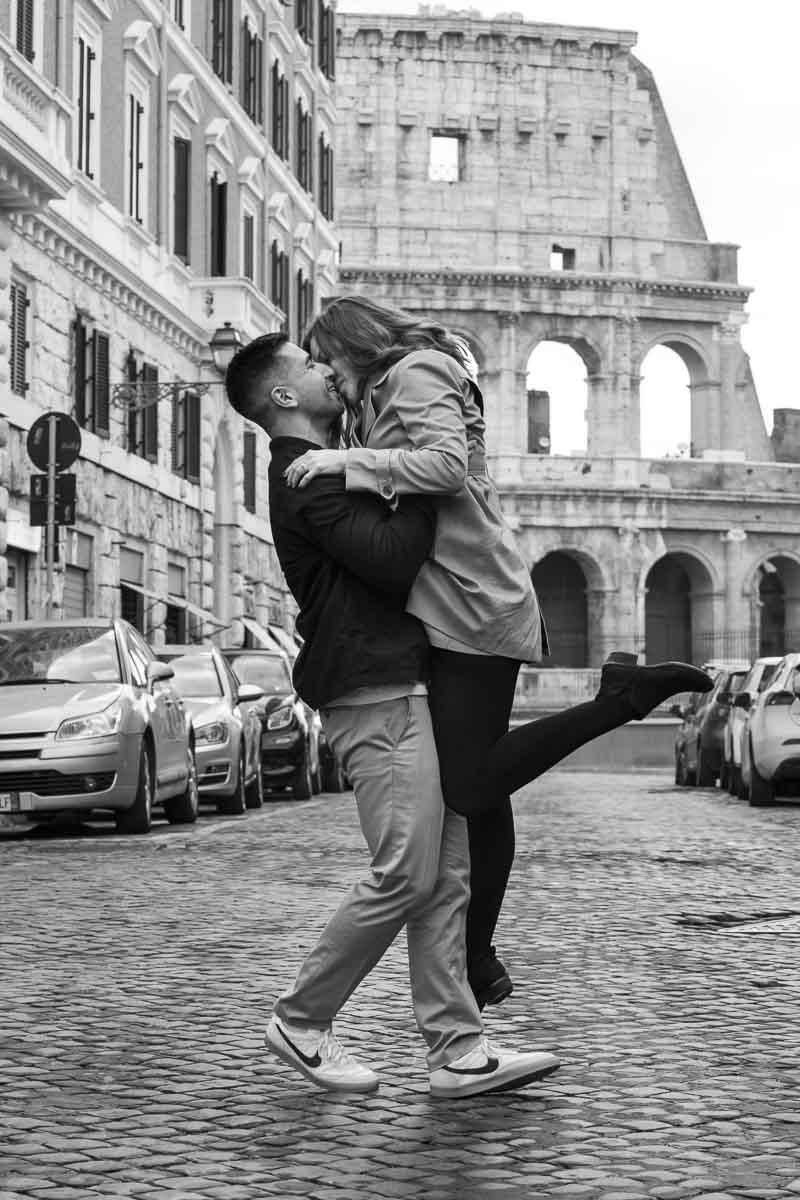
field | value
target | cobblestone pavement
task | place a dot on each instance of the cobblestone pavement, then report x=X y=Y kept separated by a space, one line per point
x=138 y=972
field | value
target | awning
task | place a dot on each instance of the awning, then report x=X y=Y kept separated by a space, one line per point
x=177 y=602
x=267 y=637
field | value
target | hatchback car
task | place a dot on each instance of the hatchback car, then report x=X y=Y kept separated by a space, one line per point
x=699 y=740
x=290 y=734
x=771 y=744
x=227 y=726
x=753 y=683
x=90 y=721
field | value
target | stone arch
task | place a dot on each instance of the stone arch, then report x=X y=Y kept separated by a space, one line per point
x=574 y=335
x=678 y=591
x=571 y=586
x=689 y=349
x=703 y=384
x=773 y=588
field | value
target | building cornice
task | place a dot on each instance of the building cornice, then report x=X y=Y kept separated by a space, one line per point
x=63 y=243
x=557 y=280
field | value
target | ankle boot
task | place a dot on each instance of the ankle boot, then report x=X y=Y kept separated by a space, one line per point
x=646 y=687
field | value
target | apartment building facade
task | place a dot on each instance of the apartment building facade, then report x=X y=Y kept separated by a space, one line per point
x=166 y=181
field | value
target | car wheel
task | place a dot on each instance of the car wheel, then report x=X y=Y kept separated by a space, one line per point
x=304 y=783
x=183 y=809
x=762 y=791
x=706 y=775
x=139 y=817
x=254 y=792
x=236 y=804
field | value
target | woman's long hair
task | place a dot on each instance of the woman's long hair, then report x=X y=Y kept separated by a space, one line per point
x=373 y=337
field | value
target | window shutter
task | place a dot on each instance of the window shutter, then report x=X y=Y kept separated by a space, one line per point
x=19 y=338
x=192 y=469
x=249 y=462
x=25 y=28
x=132 y=375
x=181 y=199
x=229 y=41
x=174 y=433
x=248 y=264
x=331 y=71
x=150 y=375
x=259 y=69
x=89 y=114
x=245 y=66
x=79 y=348
x=100 y=381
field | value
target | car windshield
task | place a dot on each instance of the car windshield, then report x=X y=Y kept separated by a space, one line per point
x=270 y=673
x=196 y=675
x=737 y=679
x=66 y=654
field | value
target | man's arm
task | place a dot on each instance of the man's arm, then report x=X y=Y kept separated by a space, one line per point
x=385 y=548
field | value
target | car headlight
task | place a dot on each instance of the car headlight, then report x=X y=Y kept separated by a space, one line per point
x=100 y=724
x=213 y=734
x=281 y=718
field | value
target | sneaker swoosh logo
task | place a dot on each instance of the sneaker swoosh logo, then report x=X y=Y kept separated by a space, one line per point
x=490 y=1065
x=313 y=1061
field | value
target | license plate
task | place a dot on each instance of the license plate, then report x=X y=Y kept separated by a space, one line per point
x=9 y=801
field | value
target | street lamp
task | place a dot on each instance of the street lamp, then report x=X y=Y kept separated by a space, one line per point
x=135 y=394
x=224 y=344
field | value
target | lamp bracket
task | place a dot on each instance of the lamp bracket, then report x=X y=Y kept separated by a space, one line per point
x=137 y=394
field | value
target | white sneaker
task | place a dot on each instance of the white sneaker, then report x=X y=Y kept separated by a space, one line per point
x=489 y=1068
x=320 y=1056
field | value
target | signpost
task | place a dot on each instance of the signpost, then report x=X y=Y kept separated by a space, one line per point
x=54 y=443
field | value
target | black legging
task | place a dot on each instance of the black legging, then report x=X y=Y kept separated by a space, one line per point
x=481 y=763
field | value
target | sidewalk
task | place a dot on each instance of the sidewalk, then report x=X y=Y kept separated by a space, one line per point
x=137 y=976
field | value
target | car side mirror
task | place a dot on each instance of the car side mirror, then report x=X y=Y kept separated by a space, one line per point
x=725 y=698
x=159 y=672
x=248 y=692
x=742 y=700
x=676 y=710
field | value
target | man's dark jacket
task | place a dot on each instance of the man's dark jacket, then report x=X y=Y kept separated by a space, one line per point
x=349 y=562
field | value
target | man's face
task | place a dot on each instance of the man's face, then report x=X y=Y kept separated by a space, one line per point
x=344 y=374
x=312 y=383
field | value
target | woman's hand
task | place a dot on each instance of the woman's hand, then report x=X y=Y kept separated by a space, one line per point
x=313 y=463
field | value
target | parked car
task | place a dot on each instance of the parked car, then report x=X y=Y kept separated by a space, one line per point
x=699 y=740
x=753 y=683
x=290 y=735
x=90 y=721
x=227 y=726
x=771 y=742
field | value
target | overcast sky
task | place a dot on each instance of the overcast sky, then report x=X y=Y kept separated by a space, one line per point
x=728 y=75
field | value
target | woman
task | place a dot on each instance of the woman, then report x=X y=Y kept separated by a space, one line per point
x=417 y=426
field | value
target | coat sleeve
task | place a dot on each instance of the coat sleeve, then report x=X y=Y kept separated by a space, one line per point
x=425 y=390
x=385 y=548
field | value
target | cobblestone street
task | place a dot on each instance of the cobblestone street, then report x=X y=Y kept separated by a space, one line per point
x=138 y=975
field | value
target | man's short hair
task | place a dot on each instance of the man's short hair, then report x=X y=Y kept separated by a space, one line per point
x=247 y=369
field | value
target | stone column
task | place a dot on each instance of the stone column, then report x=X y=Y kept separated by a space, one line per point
x=733 y=425
x=505 y=415
x=613 y=404
x=705 y=433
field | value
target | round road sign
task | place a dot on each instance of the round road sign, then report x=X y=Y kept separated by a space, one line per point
x=68 y=441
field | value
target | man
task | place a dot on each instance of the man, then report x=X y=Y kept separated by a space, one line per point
x=349 y=562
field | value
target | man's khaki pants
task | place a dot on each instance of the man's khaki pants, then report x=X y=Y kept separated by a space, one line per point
x=418 y=877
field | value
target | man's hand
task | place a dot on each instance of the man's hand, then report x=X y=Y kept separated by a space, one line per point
x=315 y=462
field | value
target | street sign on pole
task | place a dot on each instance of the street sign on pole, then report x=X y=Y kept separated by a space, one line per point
x=67 y=441
x=54 y=442
x=64 y=500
